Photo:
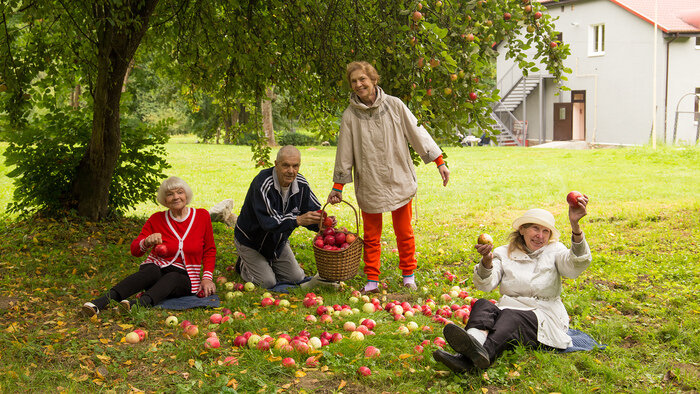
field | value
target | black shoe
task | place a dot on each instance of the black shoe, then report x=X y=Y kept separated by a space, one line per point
x=467 y=345
x=456 y=362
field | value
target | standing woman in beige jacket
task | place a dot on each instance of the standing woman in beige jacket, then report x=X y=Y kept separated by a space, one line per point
x=375 y=131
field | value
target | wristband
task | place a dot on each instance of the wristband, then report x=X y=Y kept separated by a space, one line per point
x=337 y=190
x=579 y=233
x=443 y=164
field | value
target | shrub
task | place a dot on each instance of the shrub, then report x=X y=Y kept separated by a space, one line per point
x=297 y=139
x=46 y=153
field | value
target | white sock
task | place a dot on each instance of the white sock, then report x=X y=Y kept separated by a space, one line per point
x=477 y=334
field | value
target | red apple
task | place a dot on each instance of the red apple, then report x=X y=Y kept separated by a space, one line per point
x=340 y=238
x=328 y=222
x=319 y=243
x=371 y=352
x=212 y=343
x=337 y=337
x=538 y=15
x=328 y=231
x=553 y=44
x=160 y=250
x=572 y=198
x=364 y=371
x=506 y=15
x=470 y=37
x=240 y=341
x=288 y=362
x=215 y=318
x=267 y=301
x=141 y=333
x=473 y=96
x=417 y=16
x=311 y=362
x=527 y=9
x=329 y=240
x=350 y=238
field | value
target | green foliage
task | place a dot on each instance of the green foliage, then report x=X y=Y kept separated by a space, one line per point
x=298 y=139
x=46 y=152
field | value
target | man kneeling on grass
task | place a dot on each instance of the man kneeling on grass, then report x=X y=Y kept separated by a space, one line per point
x=528 y=271
x=278 y=201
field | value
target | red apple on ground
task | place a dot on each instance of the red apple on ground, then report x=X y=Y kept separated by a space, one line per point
x=572 y=198
x=141 y=333
x=364 y=371
x=311 y=362
x=212 y=343
x=371 y=352
x=230 y=360
x=288 y=362
x=215 y=318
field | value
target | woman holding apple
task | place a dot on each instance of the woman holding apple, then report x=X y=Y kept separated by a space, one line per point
x=528 y=273
x=375 y=132
x=181 y=242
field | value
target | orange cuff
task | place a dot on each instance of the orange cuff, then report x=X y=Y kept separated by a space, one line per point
x=338 y=187
x=439 y=161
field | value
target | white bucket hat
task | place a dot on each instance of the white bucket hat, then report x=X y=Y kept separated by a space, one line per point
x=541 y=217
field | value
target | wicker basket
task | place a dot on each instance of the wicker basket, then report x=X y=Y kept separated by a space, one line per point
x=339 y=264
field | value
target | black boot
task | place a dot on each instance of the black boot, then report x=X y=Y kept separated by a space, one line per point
x=467 y=345
x=455 y=362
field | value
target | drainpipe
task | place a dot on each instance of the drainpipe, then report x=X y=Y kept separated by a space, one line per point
x=668 y=44
x=595 y=100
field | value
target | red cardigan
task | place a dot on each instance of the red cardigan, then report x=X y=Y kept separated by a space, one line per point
x=198 y=245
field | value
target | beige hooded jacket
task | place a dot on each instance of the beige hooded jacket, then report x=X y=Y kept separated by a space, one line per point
x=373 y=152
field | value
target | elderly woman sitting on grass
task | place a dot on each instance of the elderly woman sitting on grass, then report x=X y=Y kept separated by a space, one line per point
x=182 y=242
x=530 y=311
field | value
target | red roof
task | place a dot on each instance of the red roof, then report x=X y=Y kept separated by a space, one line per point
x=674 y=16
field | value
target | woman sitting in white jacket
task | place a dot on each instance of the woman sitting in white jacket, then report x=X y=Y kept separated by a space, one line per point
x=528 y=271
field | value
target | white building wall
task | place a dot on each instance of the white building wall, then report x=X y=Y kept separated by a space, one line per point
x=684 y=78
x=619 y=83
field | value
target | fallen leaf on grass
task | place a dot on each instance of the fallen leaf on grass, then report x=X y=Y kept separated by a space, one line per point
x=342 y=384
x=299 y=374
x=404 y=356
x=233 y=383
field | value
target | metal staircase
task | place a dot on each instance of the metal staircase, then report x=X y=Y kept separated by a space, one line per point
x=517 y=88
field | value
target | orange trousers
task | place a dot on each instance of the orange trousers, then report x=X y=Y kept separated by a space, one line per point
x=405 y=241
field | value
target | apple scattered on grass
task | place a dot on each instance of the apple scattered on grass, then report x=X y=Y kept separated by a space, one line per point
x=215 y=318
x=372 y=352
x=212 y=343
x=171 y=321
x=364 y=371
x=249 y=286
x=230 y=360
x=288 y=362
x=311 y=362
x=132 y=338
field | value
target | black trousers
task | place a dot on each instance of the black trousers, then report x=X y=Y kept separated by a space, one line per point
x=506 y=327
x=159 y=283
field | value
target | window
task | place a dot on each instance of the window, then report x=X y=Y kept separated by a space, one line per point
x=697 y=42
x=596 y=40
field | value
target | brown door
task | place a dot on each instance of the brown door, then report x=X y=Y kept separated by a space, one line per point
x=563 y=121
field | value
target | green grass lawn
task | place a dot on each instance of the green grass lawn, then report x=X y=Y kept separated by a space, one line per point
x=639 y=296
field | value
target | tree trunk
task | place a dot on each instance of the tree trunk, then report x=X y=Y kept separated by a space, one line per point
x=75 y=97
x=266 y=109
x=116 y=45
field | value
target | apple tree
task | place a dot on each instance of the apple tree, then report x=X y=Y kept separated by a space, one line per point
x=435 y=55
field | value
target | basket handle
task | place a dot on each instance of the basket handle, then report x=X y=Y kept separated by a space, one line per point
x=357 y=218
